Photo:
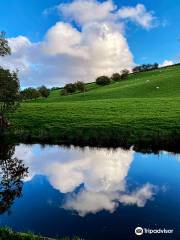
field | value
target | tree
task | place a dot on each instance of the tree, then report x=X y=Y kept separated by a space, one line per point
x=9 y=86
x=9 y=95
x=80 y=86
x=35 y=93
x=145 y=67
x=12 y=173
x=70 y=88
x=156 y=65
x=63 y=92
x=30 y=93
x=136 y=69
x=44 y=91
x=4 y=47
x=116 y=77
x=103 y=80
x=124 y=74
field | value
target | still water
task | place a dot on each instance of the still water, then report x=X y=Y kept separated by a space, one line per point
x=89 y=192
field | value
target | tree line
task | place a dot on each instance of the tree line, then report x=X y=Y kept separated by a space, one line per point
x=145 y=67
x=34 y=93
x=80 y=86
x=116 y=77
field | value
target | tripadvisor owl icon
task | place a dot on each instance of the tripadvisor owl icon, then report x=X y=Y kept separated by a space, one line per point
x=138 y=231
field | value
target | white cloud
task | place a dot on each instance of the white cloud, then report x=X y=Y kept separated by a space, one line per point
x=87 y=201
x=87 y=11
x=62 y=39
x=19 y=58
x=67 y=54
x=137 y=14
x=98 y=169
x=91 y=202
x=102 y=172
x=166 y=63
x=139 y=196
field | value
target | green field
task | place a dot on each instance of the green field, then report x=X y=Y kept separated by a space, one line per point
x=143 y=108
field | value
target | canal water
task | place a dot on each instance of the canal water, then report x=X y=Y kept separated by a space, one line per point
x=93 y=193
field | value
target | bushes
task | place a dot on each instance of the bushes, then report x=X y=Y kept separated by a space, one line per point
x=116 y=77
x=71 y=88
x=63 y=92
x=124 y=74
x=80 y=86
x=30 y=93
x=8 y=234
x=33 y=93
x=103 y=80
x=44 y=91
x=145 y=67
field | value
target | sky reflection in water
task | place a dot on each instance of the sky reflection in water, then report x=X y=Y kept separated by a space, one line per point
x=102 y=173
x=88 y=181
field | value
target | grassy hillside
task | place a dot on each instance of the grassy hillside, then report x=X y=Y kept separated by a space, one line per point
x=160 y=83
x=146 y=107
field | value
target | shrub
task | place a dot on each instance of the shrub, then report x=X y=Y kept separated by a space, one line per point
x=124 y=74
x=116 y=77
x=44 y=91
x=70 y=88
x=63 y=92
x=103 y=80
x=30 y=93
x=80 y=86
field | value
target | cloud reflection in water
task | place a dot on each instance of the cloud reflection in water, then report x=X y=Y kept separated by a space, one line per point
x=102 y=172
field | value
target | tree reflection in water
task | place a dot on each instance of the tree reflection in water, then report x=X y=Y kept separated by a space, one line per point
x=12 y=172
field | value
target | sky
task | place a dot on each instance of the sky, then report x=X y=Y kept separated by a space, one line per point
x=55 y=42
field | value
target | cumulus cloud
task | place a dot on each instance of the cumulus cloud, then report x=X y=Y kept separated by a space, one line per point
x=68 y=53
x=102 y=173
x=19 y=58
x=166 y=63
x=98 y=169
x=139 y=196
x=137 y=14
x=87 y=11
x=86 y=201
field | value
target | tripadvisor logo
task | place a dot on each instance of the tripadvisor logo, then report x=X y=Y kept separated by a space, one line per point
x=139 y=231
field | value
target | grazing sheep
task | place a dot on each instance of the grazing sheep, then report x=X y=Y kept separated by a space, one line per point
x=157 y=87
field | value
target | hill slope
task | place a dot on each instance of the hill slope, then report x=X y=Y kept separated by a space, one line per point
x=146 y=107
x=163 y=82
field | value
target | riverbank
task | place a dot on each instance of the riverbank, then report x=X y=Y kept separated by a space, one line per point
x=8 y=234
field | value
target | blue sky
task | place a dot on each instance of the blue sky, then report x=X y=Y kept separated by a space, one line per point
x=159 y=43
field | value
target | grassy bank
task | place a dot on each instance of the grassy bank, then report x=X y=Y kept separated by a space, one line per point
x=8 y=234
x=144 y=108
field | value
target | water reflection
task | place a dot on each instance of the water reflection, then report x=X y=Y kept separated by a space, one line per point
x=69 y=190
x=92 y=179
x=12 y=171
